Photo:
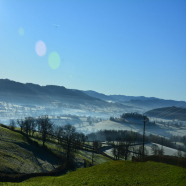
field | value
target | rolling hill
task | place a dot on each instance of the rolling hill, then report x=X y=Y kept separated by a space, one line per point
x=15 y=92
x=115 y=97
x=137 y=101
x=168 y=113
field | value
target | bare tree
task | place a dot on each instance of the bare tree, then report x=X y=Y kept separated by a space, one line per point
x=124 y=149
x=162 y=152
x=139 y=150
x=45 y=127
x=26 y=126
x=77 y=143
x=69 y=137
x=116 y=148
x=12 y=124
x=114 y=151
x=179 y=154
x=33 y=125
x=185 y=154
x=83 y=138
x=20 y=123
x=58 y=132
x=155 y=149
x=95 y=146
x=80 y=140
x=121 y=148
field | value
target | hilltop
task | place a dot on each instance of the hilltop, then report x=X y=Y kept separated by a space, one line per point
x=168 y=113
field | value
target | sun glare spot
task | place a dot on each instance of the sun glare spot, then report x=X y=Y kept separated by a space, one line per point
x=21 y=31
x=54 y=60
x=40 y=48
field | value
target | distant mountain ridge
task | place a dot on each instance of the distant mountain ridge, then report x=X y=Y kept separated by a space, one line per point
x=29 y=93
x=12 y=91
x=116 y=97
x=137 y=101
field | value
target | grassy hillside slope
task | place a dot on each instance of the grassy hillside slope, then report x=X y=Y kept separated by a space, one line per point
x=117 y=173
x=17 y=155
x=80 y=155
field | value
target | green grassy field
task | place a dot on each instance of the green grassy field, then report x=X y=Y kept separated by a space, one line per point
x=116 y=173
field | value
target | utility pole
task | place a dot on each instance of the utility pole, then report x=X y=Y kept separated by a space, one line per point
x=144 y=117
x=162 y=146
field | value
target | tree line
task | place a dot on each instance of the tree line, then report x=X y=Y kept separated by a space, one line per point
x=67 y=136
x=124 y=116
x=135 y=137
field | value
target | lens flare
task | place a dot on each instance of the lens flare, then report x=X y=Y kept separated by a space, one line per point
x=21 y=31
x=40 y=48
x=54 y=60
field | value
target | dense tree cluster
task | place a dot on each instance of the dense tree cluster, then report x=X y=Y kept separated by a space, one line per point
x=124 y=116
x=134 y=115
x=113 y=135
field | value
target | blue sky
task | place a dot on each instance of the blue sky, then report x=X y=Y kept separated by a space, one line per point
x=127 y=47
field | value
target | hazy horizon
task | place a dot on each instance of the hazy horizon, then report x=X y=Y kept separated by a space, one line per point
x=92 y=90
